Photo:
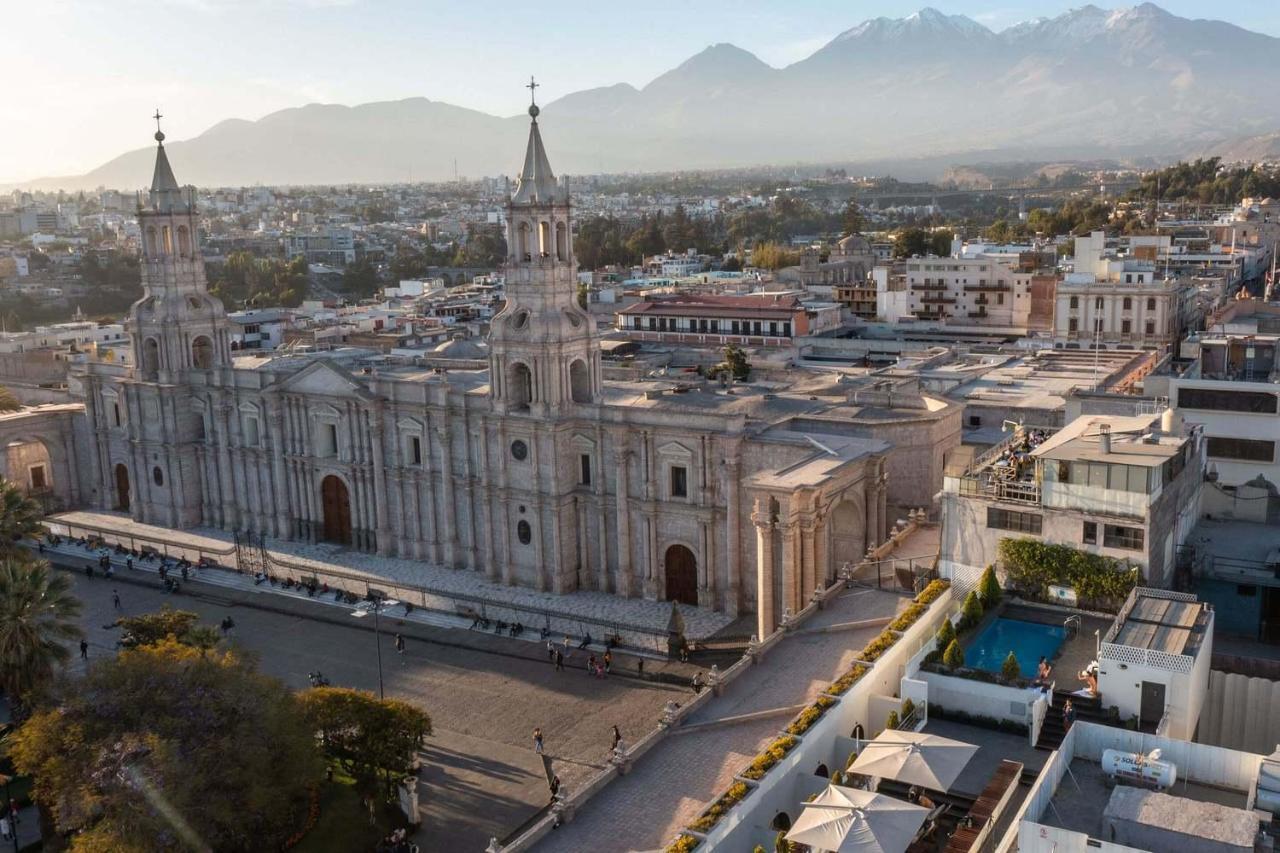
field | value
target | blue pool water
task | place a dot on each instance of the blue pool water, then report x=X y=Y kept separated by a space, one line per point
x=1028 y=640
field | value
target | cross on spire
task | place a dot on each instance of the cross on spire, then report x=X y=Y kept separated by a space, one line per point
x=159 y=132
x=531 y=86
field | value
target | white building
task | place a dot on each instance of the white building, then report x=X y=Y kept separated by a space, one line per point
x=258 y=328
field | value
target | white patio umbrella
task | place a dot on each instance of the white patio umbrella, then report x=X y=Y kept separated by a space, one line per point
x=915 y=758
x=846 y=820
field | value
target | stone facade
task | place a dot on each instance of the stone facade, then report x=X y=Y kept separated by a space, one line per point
x=534 y=471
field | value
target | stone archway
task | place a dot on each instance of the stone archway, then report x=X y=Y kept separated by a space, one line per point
x=335 y=501
x=681 y=568
x=122 y=487
x=848 y=533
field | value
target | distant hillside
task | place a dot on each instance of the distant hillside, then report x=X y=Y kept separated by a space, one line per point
x=1087 y=83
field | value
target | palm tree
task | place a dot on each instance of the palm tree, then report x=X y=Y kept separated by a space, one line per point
x=19 y=515
x=38 y=616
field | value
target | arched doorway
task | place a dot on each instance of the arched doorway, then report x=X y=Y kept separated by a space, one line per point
x=519 y=385
x=122 y=487
x=848 y=535
x=336 y=503
x=682 y=575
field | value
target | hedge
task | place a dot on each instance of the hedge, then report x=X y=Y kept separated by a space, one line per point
x=773 y=753
x=737 y=793
x=930 y=593
x=1031 y=566
x=872 y=651
x=810 y=715
x=908 y=617
x=683 y=844
x=844 y=682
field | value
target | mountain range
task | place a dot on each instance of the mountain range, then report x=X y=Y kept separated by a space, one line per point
x=1087 y=83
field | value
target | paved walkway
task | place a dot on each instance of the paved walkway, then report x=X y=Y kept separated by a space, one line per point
x=439 y=582
x=675 y=780
x=484 y=694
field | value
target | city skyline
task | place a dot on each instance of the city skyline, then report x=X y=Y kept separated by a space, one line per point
x=92 y=102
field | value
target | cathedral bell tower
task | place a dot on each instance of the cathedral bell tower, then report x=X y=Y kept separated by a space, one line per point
x=176 y=326
x=544 y=351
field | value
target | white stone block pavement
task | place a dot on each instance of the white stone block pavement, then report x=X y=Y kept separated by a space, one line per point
x=428 y=586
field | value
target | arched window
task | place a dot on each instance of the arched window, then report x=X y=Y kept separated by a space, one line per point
x=580 y=381
x=151 y=242
x=562 y=242
x=522 y=241
x=157 y=476
x=202 y=353
x=167 y=237
x=524 y=532
x=519 y=385
x=544 y=239
x=184 y=241
x=150 y=358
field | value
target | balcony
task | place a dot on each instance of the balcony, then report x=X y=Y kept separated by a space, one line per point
x=929 y=286
x=1007 y=472
x=981 y=312
x=938 y=300
x=990 y=288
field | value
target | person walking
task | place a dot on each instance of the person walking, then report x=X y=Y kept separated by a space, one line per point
x=1068 y=716
x=559 y=661
x=591 y=664
x=640 y=668
x=115 y=599
x=551 y=651
x=617 y=738
x=608 y=661
x=84 y=650
x=537 y=741
x=400 y=645
x=5 y=832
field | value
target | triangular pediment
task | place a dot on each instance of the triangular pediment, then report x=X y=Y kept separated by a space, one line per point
x=324 y=379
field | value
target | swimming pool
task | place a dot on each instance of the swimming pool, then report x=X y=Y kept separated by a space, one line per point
x=1028 y=640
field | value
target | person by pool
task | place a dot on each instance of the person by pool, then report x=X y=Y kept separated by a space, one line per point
x=1090 y=678
x=1043 y=671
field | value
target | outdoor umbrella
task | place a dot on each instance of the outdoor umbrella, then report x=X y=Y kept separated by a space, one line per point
x=845 y=819
x=915 y=758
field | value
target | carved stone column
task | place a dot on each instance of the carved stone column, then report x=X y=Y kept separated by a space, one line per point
x=766 y=607
x=380 y=496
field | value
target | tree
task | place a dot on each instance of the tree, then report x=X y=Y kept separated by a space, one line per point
x=367 y=736
x=360 y=279
x=38 y=616
x=919 y=241
x=179 y=625
x=946 y=633
x=19 y=515
x=970 y=611
x=584 y=294
x=733 y=264
x=773 y=256
x=953 y=657
x=851 y=220
x=735 y=364
x=892 y=721
x=1011 y=670
x=486 y=247
x=8 y=400
x=167 y=747
x=989 y=588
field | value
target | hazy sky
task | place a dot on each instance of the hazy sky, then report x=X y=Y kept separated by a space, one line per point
x=82 y=76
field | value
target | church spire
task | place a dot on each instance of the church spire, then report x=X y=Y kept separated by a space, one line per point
x=165 y=192
x=537 y=182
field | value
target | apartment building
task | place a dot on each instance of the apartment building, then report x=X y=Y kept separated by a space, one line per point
x=1124 y=487
x=758 y=320
x=999 y=290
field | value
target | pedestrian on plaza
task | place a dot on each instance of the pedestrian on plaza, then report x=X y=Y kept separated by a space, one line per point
x=537 y=741
x=551 y=651
x=5 y=832
x=84 y=650
x=115 y=599
x=88 y=570
x=640 y=668
x=554 y=785
x=128 y=563
x=566 y=643
x=591 y=665
x=698 y=683
x=617 y=738
x=608 y=661
x=559 y=661
x=400 y=647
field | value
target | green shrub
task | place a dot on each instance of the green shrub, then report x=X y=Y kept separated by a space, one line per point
x=930 y=593
x=946 y=633
x=891 y=722
x=881 y=644
x=759 y=849
x=971 y=611
x=1100 y=582
x=908 y=708
x=953 y=657
x=709 y=818
x=908 y=616
x=810 y=715
x=837 y=778
x=989 y=588
x=782 y=845
x=853 y=756
x=772 y=754
x=1011 y=669
x=842 y=684
x=683 y=844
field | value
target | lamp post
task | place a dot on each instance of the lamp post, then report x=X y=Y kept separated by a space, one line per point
x=376 y=609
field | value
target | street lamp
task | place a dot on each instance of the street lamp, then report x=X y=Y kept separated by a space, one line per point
x=375 y=607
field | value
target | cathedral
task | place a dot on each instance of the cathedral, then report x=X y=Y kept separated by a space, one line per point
x=537 y=471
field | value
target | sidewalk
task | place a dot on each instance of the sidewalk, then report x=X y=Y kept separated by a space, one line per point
x=439 y=583
x=237 y=590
